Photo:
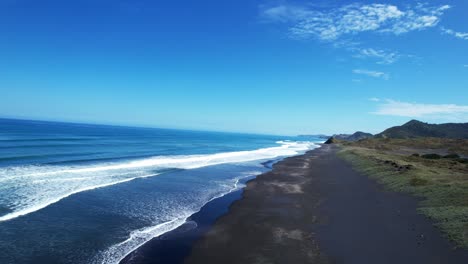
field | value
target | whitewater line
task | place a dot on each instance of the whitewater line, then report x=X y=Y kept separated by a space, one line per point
x=112 y=254
x=49 y=202
x=37 y=200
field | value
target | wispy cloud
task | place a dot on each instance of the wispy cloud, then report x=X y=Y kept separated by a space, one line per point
x=417 y=110
x=332 y=24
x=382 y=56
x=285 y=13
x=375 y=74
x=374 y=99
x=460 y=35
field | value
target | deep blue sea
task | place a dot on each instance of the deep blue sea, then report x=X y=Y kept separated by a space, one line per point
x=76 y=193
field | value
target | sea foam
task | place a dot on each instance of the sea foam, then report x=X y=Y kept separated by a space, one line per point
x=27 y=189
x=116 y=253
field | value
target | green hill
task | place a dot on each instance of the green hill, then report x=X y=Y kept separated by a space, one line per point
x=353 y=137
x=415 y=129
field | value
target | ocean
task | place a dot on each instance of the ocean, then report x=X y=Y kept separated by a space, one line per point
x=79 y=193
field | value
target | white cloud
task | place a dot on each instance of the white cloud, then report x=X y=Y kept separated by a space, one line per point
x=383 y=57
x=285 y=13
x=332 y=24
x=375 y=74
x=374 y=99
x=460 y=35
x=405 y=109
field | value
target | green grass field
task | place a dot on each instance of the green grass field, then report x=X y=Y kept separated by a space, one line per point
x=442 y=183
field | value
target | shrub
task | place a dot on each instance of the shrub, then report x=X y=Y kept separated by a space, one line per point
x=452 y=156
x=462 y=160
x=431 y=156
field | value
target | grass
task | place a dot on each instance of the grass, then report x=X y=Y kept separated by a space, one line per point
x=441 y=183
x=459 y=146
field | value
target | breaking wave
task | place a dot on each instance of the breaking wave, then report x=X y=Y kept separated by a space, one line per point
x=27 y=189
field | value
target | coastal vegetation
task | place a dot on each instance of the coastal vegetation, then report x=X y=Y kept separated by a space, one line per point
x=353 y=137
x=415 y=129
x=434 y=169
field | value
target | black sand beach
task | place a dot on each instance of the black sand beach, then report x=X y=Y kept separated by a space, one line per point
x=175 y=246
x=315 y=208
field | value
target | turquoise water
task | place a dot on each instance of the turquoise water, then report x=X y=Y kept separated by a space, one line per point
x=75 y=193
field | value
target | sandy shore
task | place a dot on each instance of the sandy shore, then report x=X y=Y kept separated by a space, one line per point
x=174 y=246
x=315 y=208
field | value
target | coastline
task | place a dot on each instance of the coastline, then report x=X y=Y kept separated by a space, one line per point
x=269 y=224
x=175 y=245
x=58 y=210
x=314 y=208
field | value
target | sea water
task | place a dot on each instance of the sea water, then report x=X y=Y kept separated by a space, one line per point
x=77 y=193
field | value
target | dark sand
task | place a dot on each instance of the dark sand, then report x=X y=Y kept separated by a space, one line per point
x=315 y=209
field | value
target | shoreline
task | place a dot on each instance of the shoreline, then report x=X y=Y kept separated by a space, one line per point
x=314 y=208
x=175 y=245
x=243 y=235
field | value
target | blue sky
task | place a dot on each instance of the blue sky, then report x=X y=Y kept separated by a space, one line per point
x=277 y=67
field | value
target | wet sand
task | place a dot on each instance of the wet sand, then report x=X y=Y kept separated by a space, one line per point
x=174 y=246
x=315 y=208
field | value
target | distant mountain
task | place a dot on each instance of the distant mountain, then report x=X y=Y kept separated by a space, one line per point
x=415 y=128
x=353 y=137
x=321 y=136
x=359 y=135
x=341 y=136
x=348 y=137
